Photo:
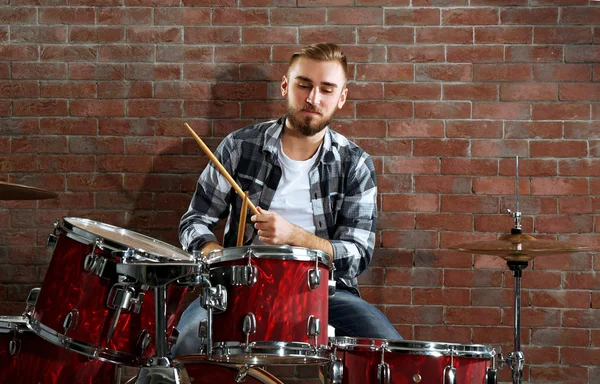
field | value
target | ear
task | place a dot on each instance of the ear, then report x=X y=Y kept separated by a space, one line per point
x=284 y=86
x=342 y=99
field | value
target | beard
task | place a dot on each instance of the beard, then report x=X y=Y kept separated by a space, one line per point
x=309 y=125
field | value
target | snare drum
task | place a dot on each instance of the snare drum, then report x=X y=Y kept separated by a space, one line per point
x=98 y=297
x=27 y=359
x=198 y=370
x=374 y=361
x=277 y=309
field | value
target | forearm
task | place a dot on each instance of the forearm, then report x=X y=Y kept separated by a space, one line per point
x=303 y=238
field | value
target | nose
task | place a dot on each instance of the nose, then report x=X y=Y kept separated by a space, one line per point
x=314 y=97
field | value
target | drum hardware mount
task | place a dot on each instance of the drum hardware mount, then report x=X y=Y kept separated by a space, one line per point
x=449 y=370
x=313 y=329
x=202 y=334
x=143 y=341
x=417 y=378
x=314 y=276
x=14 y=346
x=121 y=298
x=71 y=320
x=32 y=298
x=249 y=327
x=491 y=375
x=241 y=375
x=384 y=375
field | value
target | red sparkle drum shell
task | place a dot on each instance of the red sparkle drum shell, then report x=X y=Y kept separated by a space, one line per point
x=281 y=301
x=36 y=361
x=198 y=370
x=69 y=288
x=411 y=361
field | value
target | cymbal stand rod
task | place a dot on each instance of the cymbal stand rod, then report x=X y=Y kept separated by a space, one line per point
x=516 y=215
x=517 y=182
x=160 y=300
x=516 y=359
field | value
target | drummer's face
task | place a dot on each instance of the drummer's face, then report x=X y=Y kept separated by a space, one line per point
x=314 y=91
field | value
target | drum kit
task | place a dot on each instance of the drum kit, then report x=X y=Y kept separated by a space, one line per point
x=111 y=297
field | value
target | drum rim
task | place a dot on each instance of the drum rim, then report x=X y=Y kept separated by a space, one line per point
x=344 y=343
x=282 y=252
x=79 y=233
x=255 y=372
x=269 y=351
x=13 y=323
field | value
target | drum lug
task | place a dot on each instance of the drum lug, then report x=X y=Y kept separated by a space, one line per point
x=214 y=297
x=314 y=278
x=244 y=275
x=417 y=378
x=313 y=328
x=143 y=341
x=202 y=333
x=32 y=299
x=14 y=347
x=331 y=287
x=383 y=373
x=71 y=320
x=241 y=375
x=51 y=241
x=450 y=371
x=336 y=371
x=94 y=264
x=120 y=298
x=249 y=327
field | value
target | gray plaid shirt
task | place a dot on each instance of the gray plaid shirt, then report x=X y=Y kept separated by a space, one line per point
x=343 y=191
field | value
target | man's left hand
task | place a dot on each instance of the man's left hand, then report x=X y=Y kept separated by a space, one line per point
x=274 y=229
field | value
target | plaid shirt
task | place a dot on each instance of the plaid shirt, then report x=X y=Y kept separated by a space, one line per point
x=343 y=193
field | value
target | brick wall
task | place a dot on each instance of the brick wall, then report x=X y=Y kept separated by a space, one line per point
x=94 y=94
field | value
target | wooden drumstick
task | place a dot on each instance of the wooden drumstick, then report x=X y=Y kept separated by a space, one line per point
x=242 y=224
x=221 y=169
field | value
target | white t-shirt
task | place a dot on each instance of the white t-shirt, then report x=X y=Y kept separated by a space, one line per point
x=292 y=197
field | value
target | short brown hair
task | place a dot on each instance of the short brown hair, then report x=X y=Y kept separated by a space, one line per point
x=322 y=52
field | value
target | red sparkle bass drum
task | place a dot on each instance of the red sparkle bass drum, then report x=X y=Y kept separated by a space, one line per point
x=97 y=297
x=27 y=359
x=376 y=361
x=277 y=309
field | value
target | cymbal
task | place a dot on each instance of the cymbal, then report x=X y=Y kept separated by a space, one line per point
x=520 y=247
x=9 y=191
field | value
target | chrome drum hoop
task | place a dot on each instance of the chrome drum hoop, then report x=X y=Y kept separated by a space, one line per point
x=284 y=252
x=266 y=353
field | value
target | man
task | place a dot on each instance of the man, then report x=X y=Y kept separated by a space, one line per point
x=313 y=189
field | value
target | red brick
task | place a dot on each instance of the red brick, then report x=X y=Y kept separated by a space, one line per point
x=582 y=130
x=158 y=108
x=382 y=35
x=583 y=167
x=559 y=373
x=580 y=356
x=39 y=144
x=124 y=90
x=533 y=130
x=442 y=184
x=298 y=16
x=413 y=203
x=385 y=147
x=96 y=145
x=96 y=34
x=41 y=34
x=68 y=53
x=470 y=92
x=469 y=16
x=443 y=72
x=436 y=296
x=582 y=54
x=51 y=182
x=501 y=72
x=559 y=186
x=337 y=35
x=498 y=336
x=566 y=224
x=124 y=164
x=16 y=15
x=496 y=223
x=415 y=54
x=529 y=16
x=255 y=109
x=11 y=52
x=534 y=317
x=440 y=147
x=534 y=205
x=580 y=15
x=498 y=2
x=39 y=71
x=475 y=54
x=412 y=165
x=181 y=16
x=450 y=334
x=357 y=91
x=144 y=71
x=63 y=15
x=583 y=280
x=18 y=163
x=534 y=54
x=563 y=35
x=444 y=222
x=240 y=17
x=386 y=295
x=439 y=3
x=67 y=90
x=396 y=220
x=40 y=107
x=393 y=183
x=415 y=314
x=152 y=182
x=18 y=127
x=409 y=239
x=355 y=15
x=384 y=72
x=125 y=16
x=412 y=16
x=462 y=166
x=18 y=89
x=63 y=126
x=385 y=110
x=493 y=297
x=262 y=72
x=268 y=35
x=241 y=54
x=501 y=110
x=97 y=71
x=364 y=53
x=528 y=92
x=498 y=185
x=209 y=3
x=474 y=129
x=19 y=274
x=222 y=109
x=471 y=279
x=94 y=182
x=576 y=205
x=415 y=128
x=577 y=318
x=182 y=90
x=151 y=3
x=441 y=258
x=580 y=92
x=211 y=35
x=97 y=108
x=5 y=108
x=155 y=35
x=444 y=35
x=5 y=71
x=59 y=163
x=561 y=111
x=442 y=110
x=126 y=53
x=349 y=128
x=469 y=204
x=503 y=35
x=153 y=145
x=572 y=262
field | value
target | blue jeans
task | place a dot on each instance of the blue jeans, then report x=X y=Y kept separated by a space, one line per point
x=348 y=314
